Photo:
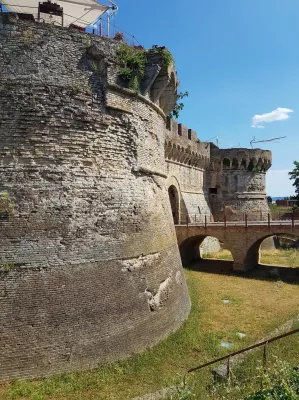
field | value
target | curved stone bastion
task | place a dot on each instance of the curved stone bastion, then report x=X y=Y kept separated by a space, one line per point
x=237 y=179
x=90 y=267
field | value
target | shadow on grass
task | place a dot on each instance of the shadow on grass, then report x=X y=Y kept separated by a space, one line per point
x=261 y=271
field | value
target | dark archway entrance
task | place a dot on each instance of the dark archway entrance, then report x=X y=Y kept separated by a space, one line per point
x=174 y=203
x=192 y=257
x=284 y=252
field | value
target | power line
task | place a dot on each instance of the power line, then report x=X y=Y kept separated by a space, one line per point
x=265 y=140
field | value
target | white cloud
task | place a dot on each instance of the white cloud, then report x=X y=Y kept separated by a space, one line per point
x=279 y=114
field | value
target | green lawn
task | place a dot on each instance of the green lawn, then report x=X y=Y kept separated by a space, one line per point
x=283 y=258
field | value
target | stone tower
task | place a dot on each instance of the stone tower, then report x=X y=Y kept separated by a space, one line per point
x=236 y=183
x=90 y=267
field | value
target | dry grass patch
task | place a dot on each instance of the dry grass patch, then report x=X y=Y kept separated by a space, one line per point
x=283 y=258
x=256 y=308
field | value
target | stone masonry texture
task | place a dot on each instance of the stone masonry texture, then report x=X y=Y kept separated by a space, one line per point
x=90 y=266
x=94 y=178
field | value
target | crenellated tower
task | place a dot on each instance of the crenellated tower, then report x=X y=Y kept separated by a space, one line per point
x=187 y=160
x=237 y=182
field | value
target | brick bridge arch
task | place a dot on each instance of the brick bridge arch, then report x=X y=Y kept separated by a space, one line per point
x=243 y=242
x=190 y=248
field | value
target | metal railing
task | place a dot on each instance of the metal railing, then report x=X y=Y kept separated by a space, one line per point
x=228 y=357
x=104 y=27
x=240 y=219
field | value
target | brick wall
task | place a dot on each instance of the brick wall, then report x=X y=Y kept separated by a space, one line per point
x=90 y=267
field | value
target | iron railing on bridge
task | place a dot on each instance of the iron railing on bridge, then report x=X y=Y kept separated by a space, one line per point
x=241 y=219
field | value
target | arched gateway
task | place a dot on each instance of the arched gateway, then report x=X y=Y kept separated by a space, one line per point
x=174 y=203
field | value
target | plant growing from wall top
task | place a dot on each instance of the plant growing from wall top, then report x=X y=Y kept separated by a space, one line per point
x=167 y=59
x=175 y=113
x=132 y=65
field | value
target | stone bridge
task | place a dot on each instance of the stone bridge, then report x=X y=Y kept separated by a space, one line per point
x=243 y=241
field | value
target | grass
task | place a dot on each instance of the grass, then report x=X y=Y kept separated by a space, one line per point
x=257 y=307
x=283 y=257
x=222 y=254
x=256 y=374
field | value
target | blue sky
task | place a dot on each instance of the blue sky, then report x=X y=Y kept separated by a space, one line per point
x=237 y=59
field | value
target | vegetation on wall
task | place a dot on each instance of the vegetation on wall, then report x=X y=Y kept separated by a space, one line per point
x=167 y=59
x=132 y=65
x=7 y=205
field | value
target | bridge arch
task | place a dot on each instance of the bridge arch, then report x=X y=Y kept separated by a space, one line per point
x=190 y=248
x=253 y=254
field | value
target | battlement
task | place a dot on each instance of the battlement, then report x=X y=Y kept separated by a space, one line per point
x=181 y=130
x=255 y=160
x=182 y=145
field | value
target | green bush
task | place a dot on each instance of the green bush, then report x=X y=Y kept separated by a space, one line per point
x=132 y=65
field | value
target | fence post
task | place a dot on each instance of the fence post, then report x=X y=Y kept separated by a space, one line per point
x=205 y=221
x=265 y=356
x=293 y=220
x=246 y=220
x=228 y=367
x=224 y=218
x=269 y=221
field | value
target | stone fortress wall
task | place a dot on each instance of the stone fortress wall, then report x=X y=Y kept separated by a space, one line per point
x=237 y=182
x=187 y=160
x=93 y=175
x=90 y=266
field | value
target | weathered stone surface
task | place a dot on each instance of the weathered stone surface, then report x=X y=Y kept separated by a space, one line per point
x=187 y=160
x=238 y=176
x=93 y=271
x=90 y=269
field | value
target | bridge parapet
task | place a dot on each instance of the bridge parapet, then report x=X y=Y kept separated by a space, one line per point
x=243 y=241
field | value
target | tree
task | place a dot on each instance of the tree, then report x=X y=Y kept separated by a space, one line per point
x=178 y=106
x=294 y=176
